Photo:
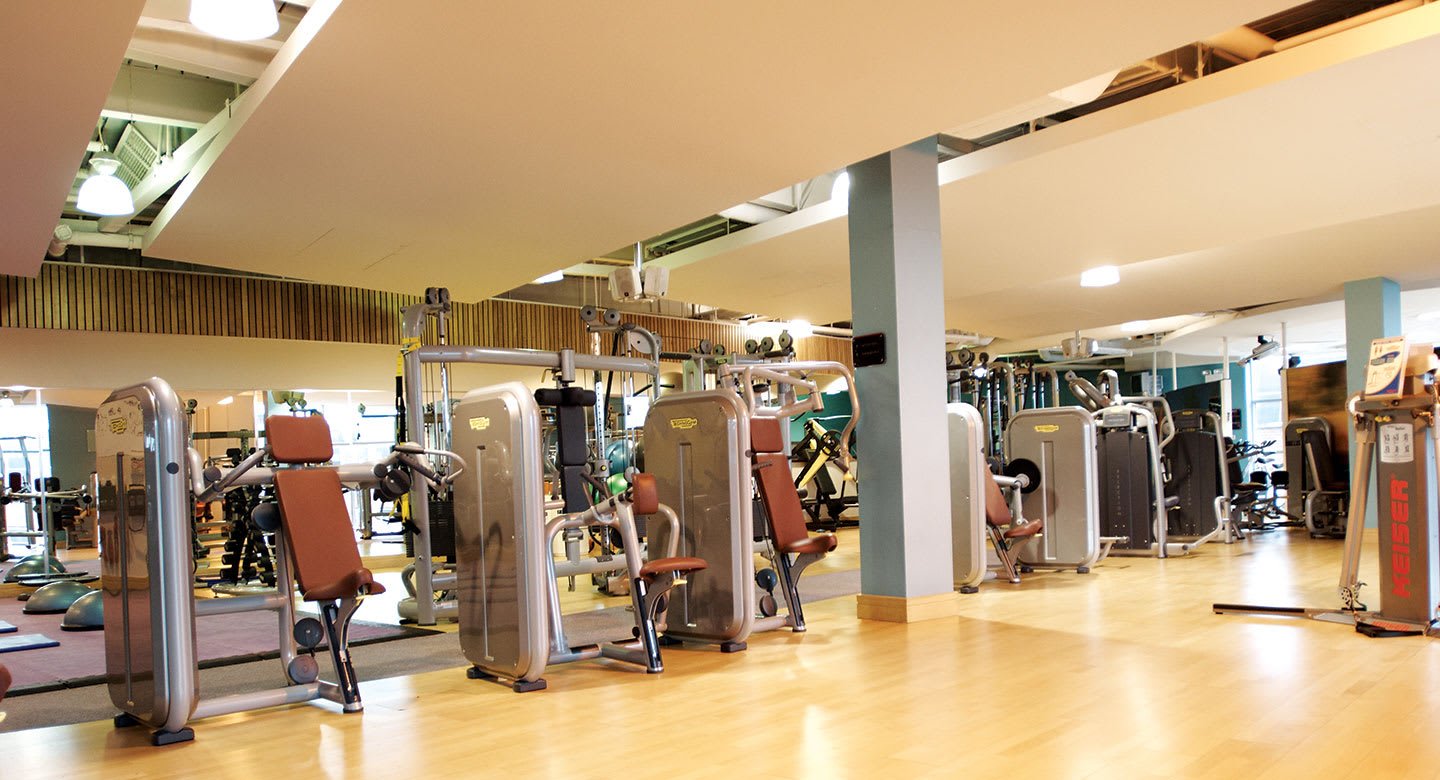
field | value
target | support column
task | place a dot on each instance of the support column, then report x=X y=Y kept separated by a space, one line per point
x=1372 y=311
x=897 y=288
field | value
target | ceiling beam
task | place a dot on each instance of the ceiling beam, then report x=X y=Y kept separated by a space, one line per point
x=241 y=110
x=169 y=172
x=144 y=93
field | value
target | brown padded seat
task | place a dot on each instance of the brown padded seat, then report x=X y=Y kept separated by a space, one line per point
x=667 y=565
x=4 y=681
x=997 y=513
x=298 y=439
x=772 y=475
x=317 y=531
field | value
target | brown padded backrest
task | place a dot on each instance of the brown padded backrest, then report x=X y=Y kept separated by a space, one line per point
x=787 y=518
x=4 y=681
x=996 y=510
x=645 y=498
x=317 y=531
x=766 y=435
x=298 y=439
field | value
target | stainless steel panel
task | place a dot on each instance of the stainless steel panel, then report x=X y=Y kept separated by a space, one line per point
x=1061 y=441
x=501 y=551
x=967 y=493
x=695 y=446
x=146 y=566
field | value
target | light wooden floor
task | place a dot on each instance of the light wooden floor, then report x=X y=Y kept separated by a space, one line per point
x=1121 y=673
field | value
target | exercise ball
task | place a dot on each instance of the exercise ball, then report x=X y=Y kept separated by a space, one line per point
x=617 y=484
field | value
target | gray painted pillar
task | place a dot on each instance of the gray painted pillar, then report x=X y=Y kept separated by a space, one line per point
x=1372 y=311
x=897 y=288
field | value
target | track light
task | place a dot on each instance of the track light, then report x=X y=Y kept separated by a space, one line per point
x=103 y=193
x=235 y=20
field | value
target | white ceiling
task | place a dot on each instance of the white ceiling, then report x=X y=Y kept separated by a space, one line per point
x=1317 y=327
x=1276 y=180
x=479 y=145
x=61 y=57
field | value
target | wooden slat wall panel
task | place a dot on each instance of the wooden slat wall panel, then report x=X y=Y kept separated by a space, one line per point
x=124 y=300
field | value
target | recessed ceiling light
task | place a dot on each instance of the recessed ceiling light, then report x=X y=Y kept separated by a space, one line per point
x=1101 y=276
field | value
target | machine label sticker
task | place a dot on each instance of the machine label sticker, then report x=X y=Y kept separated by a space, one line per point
x=479 y=423
x=1047 y=428
x=1400 y=536
x=684 y=423
x=119 y=425
x=1397 y=443
x=408 y=345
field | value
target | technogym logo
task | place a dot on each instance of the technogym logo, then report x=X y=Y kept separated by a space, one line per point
x=479 y=423
x=684 y=423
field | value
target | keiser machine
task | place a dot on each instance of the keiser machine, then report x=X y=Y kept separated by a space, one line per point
x=1396 y=439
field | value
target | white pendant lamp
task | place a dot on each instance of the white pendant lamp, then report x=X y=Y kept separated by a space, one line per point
x=235 y=20
x=103 y=193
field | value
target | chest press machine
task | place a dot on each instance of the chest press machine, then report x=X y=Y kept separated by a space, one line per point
x=148 y=481
x=510 y=619
x=711 y=451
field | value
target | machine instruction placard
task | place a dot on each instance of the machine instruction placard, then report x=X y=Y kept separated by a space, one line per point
x=1397 y=443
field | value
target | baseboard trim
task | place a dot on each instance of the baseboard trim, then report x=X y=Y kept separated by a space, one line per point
x=902 y=609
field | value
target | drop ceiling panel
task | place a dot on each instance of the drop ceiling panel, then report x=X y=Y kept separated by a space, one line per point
x=479 y=145
x=1246 y=196
x=61 y=57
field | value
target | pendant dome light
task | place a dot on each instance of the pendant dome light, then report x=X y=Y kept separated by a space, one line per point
x=235 y=20
x=103 y=193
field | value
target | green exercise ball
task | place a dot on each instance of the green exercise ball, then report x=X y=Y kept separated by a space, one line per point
x=617 y=484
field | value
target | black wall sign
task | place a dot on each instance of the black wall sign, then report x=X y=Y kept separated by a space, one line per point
x=869 y=350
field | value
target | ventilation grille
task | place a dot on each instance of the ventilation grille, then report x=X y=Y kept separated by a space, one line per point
x=137 y=156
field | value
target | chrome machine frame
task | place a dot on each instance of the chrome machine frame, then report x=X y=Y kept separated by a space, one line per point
x=510 y=619
x=148 y=476
x=415 y=356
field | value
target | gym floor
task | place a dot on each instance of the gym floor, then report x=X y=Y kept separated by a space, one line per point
x=1121 y=673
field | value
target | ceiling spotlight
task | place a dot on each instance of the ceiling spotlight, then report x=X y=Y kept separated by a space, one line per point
x=1102 y=276
x=235 y=20
x=801 y=329
x=103 y=193
x=551 y=277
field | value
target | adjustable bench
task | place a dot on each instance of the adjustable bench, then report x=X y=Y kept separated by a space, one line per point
x=318 y=536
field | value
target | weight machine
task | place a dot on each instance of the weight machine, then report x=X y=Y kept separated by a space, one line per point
x=1397 y=440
